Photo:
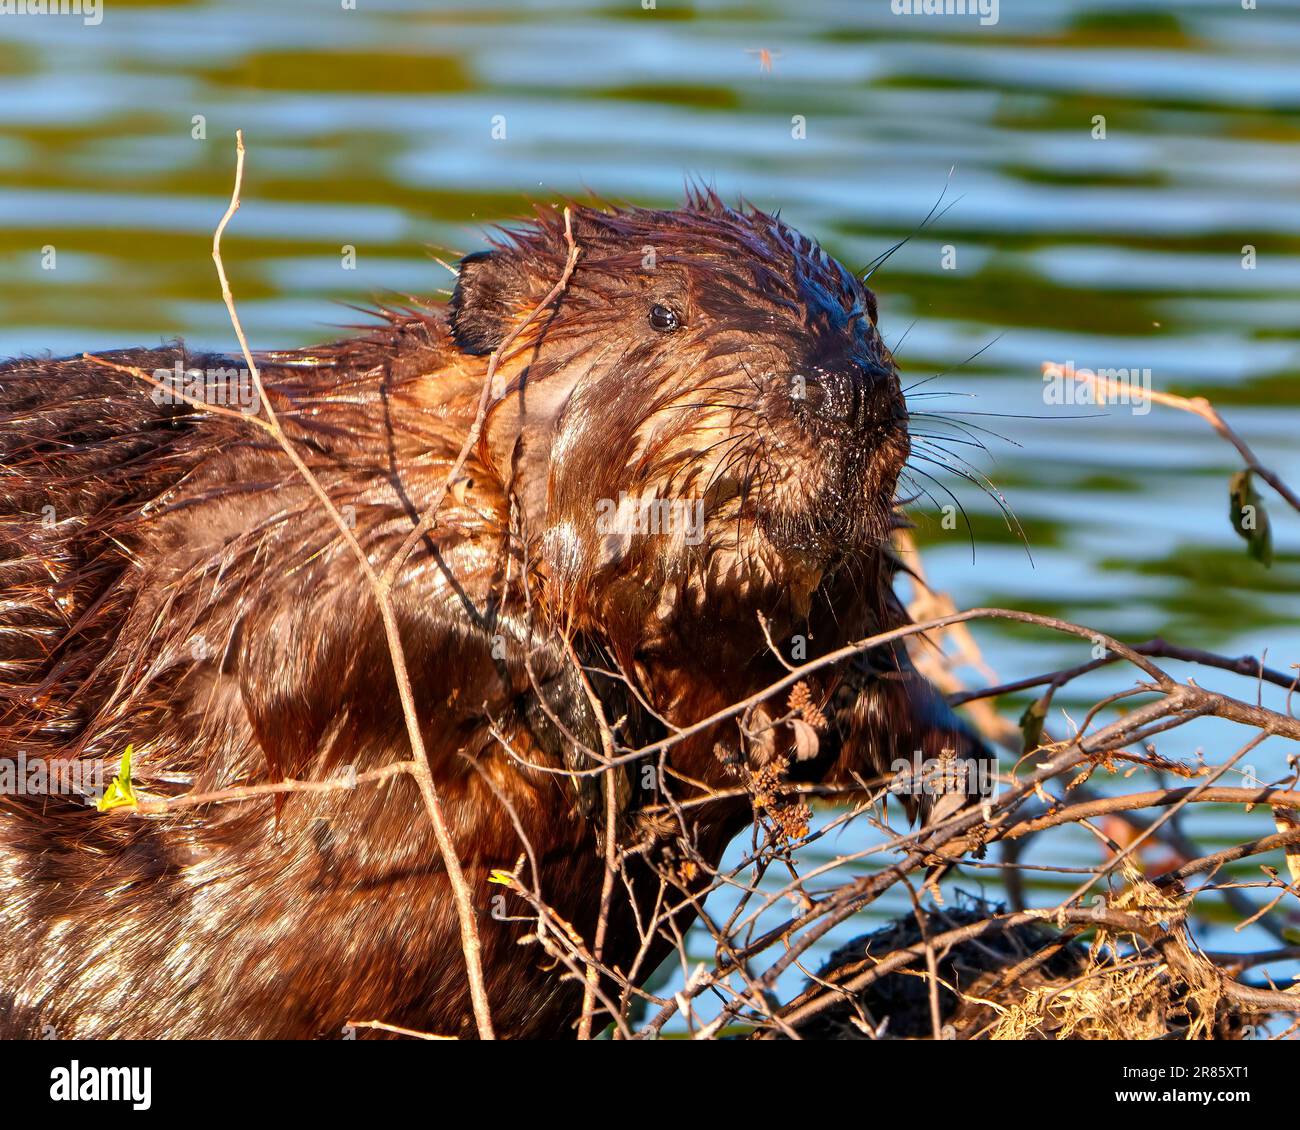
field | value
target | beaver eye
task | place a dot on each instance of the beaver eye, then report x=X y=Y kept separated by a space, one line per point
x=664 y=318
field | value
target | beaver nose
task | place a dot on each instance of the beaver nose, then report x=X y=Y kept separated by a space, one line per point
x=845 y=398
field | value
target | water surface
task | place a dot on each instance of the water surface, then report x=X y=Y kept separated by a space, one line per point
x=373 y=129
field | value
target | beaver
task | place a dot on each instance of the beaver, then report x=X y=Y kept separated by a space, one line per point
x=170 y=583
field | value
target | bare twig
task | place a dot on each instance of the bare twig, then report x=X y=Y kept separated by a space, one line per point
x=1198 y=406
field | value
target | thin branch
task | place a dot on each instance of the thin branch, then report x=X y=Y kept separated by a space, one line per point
x=1198 y=406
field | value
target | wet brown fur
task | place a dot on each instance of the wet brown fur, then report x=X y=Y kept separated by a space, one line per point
x=168 y=581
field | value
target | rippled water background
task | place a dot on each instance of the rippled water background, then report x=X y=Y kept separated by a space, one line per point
x=372 y=128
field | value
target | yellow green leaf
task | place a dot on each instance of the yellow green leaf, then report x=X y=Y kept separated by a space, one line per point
x=119 y=794
x=1032 y=722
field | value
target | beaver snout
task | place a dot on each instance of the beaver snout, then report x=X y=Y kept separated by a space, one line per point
x=845 y=401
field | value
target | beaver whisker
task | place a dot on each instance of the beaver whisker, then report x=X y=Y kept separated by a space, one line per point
x=747 y=482
x=1029 y=415
x=722 y=385
x=978 y=480
x=970 y=528
x=964 y=464
x=697 y=455
x=743 y=480
x=897 y=348
x=916 y=493
x=691 y=463
x=958 y=464
x=727 y=459
x=907 y=389
x=953 y=368
x=880 y=260
x=946 y=392
x=722 y=389
x=966 y=428
x=937 y=439
x=749 y=376
x=755 y=464
x=706 y=404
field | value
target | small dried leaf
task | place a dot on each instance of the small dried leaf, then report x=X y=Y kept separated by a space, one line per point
x=806 y=742
x=1249 y=518
x=945 y=806
x=1285 y=822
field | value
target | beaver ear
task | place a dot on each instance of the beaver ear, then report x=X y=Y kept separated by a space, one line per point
x=873 y=310
x=483 y=303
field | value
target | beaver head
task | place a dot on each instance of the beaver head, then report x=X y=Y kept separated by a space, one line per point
x=710 y=389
